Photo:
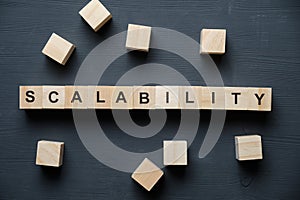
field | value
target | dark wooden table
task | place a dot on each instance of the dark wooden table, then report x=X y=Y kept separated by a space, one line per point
x=262 y=50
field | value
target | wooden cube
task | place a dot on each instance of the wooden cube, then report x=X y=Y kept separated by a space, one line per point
x=190 y=97
x=30 y=97
x=138 y=37
x=95 y=14
x=248 y=147
x=147 y=174
x=212 y=41
x=167 y=97
x=101 y=97
x=236 y=98
x=58 y=49
x=53 y=97
x=49 y=153
x=76 y=97
x=213 y=98
x=175 y=152
x=260 y=99
x=144 y=97
x=122 y=97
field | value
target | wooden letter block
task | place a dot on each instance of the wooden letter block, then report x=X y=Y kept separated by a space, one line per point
x=53 y=97
x=175 y=153
x=248 y=147
x=260 y=99
x=49 y=153
x=213 y=98
x=212 y=41
x=30 y=97
x=190 y=97
x=236 y=98
x=58 y=49
x=144 y=97
x=95 y=14
x=147 y=174
x=138 y=37
x=101 y=97
x=167 y=97
x=76 y=97
x=122 y=97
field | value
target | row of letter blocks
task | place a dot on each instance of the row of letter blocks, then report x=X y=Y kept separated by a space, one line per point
x=145 y=97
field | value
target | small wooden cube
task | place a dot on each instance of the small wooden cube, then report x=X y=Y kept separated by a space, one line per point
x=175 y=152
x=147 y=174
x=248 y=147
x=95 y=14
x=138 y=37
x=31 y=97
x=212 y=41
x=49 y=153
x=58 y=49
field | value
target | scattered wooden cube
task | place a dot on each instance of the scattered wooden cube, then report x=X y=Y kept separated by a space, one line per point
x=95 y=14
x=138 y=37
x=31 y=97
x=212 y=41
x=248 y=147
x=175 y=152
x=58 y=49
x=147 y=174
x=49 y=153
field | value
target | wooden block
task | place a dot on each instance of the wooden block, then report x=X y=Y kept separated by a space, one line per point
x=190 y=97
x=30 y=97
x=213 y=98
x=212 y=41
x=95 y=14
x=53 y=97
x=138 y=37
x=76 y=97
x=122 y=97
x=49 y=153
x=236 y=98
x=167 y=97
x=58 y=49
x=147 y=174
x=175 y=152
x=260 y=99
x=144 y=97
x=101 y=97
x=248 y=147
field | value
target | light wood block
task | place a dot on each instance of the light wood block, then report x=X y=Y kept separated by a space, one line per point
x=260 y=99
x=236 y=98
x=212 y=98
x=175 y=152
x=58 y=49
x=49 y=153
x=190 y=97
x=101 y=97
x=95 y=14
x=147 y=174
x=30 y=97
x=248 y=147
x=167 y=97
x=212 y=41
x=122 y=97
x=138 y=37
x=53 y=97
x=144 y=97
x=76 y=97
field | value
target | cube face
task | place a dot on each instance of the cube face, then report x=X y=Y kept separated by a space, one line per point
x=248 y=147
x=101 y=96
x=95 y=14
x=260 y=99
x=31 y=97
x=122 y=97
x=189 y=97
x=213 y=98
x=213 y=41
x=58 y=49
x=49 y=153
x=236 y=98
x=144 y=97
x=76 y=97
x=53 y=97
x=138 y=37
x=175 y=152
x=147 y=174
x=167 y=97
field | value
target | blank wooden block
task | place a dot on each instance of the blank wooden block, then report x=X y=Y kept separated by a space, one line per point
x=236 y=98
x=101 y=97
x=260 y=99
x=30 y=97
x=167 y=97
x=212 y=41
x=147 y=174
x=76 y=97
x=213 y=98
x=58 y=49
x=190 y=97
x=138 y=37
x=144 y=97
x=53 y=97
x=122 y=97
x=49 y=153
x=248 y=147
x=175 y=152
x=95 y=14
